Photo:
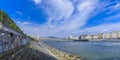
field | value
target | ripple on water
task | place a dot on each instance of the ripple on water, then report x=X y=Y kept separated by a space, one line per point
x=90 y=50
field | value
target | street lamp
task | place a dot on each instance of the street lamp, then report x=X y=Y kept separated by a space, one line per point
x=1 y=17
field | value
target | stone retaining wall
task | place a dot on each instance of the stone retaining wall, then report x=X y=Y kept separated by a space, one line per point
x=9 y=41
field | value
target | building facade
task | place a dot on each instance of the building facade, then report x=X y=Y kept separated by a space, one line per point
x=110 y=35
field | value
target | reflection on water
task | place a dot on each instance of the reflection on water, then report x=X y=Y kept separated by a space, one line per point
x=89 y=50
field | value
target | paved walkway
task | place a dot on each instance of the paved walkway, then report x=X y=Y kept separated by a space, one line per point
x=29 y=53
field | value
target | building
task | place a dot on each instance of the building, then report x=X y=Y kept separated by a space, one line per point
x=95 y=36
x=73 y=37
x=100 y=36
x=85 y=37
x=106 y=35
x=118 y=36
x=110 y=35
x=114 y=35
x=36 y=37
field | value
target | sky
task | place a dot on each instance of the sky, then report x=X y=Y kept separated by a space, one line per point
x=63 y=18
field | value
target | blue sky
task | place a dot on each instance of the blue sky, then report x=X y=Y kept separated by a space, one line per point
x=62 y=18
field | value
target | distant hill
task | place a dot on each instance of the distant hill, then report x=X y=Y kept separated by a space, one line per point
x=8 y=22
x=51 y=37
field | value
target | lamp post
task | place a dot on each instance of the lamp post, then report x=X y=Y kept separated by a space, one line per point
x=0 y=14
x=0 y=17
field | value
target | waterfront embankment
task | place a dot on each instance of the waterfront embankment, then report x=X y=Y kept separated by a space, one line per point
x=61 y=55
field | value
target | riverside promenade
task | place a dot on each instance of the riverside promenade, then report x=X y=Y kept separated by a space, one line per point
x=29 y=52
x=35 y=50
x=59 y=54
x=16 y=46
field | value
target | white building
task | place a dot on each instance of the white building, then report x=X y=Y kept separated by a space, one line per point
x=36 y=37
x=107 y=35
x=86 y=37
x=95 y=36
x=118 y=35
x=73 y=37
x=112 y=35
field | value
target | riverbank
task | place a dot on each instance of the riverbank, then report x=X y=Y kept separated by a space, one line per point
x=61 y=55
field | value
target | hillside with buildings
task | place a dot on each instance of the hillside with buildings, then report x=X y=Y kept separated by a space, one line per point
x=107 y=36
x=110 y=35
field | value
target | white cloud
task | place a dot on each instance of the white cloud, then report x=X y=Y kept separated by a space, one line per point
x=26 y=23
x=113 y=8
x=112 y=18
x=18 y=22
x=19 y=13
x=65 y=18
x=64 y=14
x=108 y=27
x=117 y=5
x=87 y=3
x=57 y=10
x=37 y=1
x=23 y=23
x=44 y=31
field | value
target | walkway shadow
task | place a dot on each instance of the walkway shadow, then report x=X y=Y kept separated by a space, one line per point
x=28 y=53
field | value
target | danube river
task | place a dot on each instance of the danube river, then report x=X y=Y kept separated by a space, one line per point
x=89 y=50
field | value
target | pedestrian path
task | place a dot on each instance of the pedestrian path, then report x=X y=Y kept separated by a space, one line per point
x=28 y=52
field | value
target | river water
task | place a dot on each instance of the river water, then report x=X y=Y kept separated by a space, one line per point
x=89 y=50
